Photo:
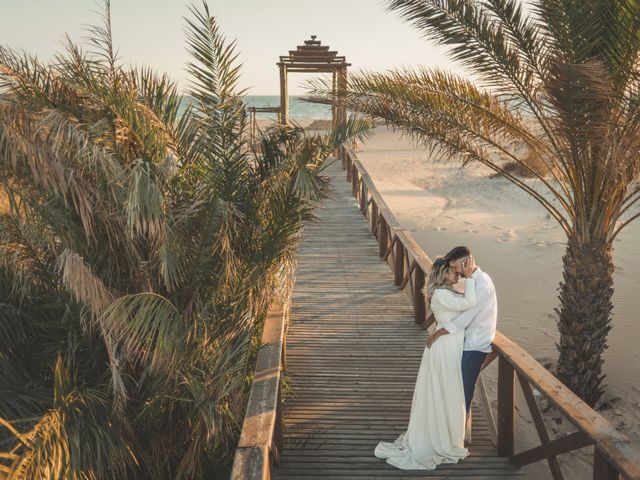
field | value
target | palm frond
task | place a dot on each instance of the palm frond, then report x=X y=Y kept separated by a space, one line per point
x=48 y=148
x=60 y=445
x=23 y=260
x=20 y=396
x=528 y=38
x=354 y=128
x=214 y=68
x=603 y=30
x=82 y=283
x=214 y=72
x=12 y=326
x=144 y=204
x=101 y=39
x=159 y=93
x=147 y=329
x=452 y=117
x=31 y=82
x=468 y=29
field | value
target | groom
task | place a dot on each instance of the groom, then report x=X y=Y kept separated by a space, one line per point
x=478 y=323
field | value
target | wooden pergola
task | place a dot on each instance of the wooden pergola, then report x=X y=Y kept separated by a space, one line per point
x=312 y=57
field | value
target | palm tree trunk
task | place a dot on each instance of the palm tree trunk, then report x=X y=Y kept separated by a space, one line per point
x=585 y=316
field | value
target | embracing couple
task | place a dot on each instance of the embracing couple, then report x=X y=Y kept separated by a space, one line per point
x=451 y=363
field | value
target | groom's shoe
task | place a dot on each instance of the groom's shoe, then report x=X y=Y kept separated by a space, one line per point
x=467 y=429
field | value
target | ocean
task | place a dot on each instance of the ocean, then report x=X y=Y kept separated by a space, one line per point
x=298 y=108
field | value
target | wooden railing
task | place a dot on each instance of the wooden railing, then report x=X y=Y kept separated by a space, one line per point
x=253 y=121
x=613 y=452
x=261 y=437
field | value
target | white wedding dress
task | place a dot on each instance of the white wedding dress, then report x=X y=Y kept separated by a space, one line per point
x=435 y=433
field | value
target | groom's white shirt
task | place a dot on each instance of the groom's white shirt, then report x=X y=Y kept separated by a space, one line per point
x=479 y=322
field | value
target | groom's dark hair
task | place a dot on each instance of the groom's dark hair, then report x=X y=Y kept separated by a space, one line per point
x=456 y=253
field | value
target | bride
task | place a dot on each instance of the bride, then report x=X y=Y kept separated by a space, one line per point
x=435 y=433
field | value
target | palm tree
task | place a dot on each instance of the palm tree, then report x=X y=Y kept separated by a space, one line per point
x=140 y=245
x=558 y=84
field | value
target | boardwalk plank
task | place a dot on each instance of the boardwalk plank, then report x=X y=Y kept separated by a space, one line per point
x=353 y=353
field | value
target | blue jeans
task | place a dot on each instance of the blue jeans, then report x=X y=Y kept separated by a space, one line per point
x=472 y=361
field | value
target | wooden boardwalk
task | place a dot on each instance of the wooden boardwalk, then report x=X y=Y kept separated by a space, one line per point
x=353 y=352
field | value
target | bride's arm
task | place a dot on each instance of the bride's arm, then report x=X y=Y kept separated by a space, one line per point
x=454 y=303
x=457 y=303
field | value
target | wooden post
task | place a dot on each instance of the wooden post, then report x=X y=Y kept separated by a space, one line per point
x=341 y=113
x=354 y=180
x=374 y=219
x=419 y=307
x=252 y=123
x=363 y=198
x=398 y=264
x=334 y=88
x=602 y=469
x=284 y=96
x=506 y=408
x=383 y=237
x=348 y=166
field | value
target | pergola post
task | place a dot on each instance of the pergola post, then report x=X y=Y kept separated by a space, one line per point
x=313 y=57
x=284 y=96
x=341 y=112
x=334 y=88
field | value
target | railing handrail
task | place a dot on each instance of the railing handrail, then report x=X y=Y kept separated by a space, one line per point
x=261 y=435
x=612 y=447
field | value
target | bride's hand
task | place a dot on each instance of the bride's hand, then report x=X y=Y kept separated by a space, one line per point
x=468 y=266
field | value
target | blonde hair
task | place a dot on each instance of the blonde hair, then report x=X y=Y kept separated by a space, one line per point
x=437 y=276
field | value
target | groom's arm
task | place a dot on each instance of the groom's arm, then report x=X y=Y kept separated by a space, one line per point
x=460 y=322
x=435 y=335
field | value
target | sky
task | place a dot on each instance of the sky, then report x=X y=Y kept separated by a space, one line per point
x=151 y=33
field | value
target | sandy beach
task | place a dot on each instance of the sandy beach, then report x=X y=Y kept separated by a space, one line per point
x=521 y=248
